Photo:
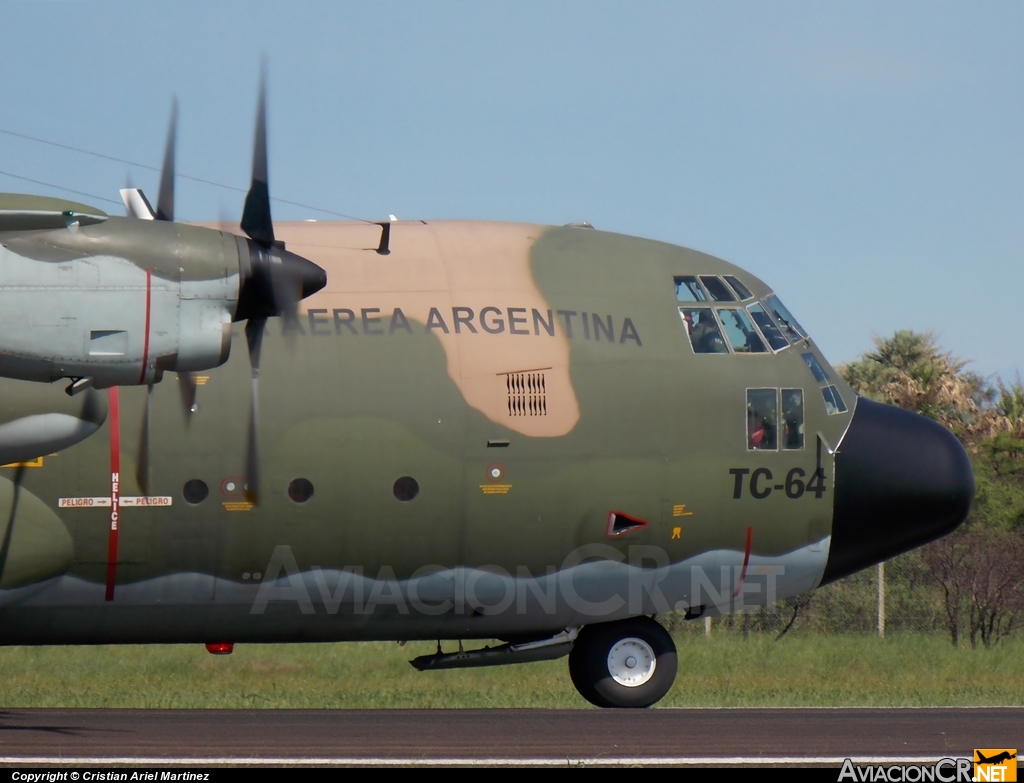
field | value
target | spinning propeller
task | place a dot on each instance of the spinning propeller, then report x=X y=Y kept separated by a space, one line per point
x=272 y=282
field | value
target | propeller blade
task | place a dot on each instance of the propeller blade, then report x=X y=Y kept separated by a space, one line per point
x=252 y=460
x=256 y=220
x=165 y=200
x=5 y=548
x=187 y=388
x=142 y=462
x=275 y=279
x=254 y=337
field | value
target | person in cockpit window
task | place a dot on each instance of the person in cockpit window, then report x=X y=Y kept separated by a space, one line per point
x=706 y=336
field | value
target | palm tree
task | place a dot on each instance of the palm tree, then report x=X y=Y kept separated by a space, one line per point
x=911 y=371
x=1011 y=404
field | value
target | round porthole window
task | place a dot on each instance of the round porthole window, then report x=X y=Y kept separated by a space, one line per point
x=300 y=490
x=195 y=491
x=406 y=488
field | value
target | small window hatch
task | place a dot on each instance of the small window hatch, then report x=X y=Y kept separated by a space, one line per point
x=719 y=291
x=527 y=394
x=741 y=290
x=619 y=523
x=689 y=290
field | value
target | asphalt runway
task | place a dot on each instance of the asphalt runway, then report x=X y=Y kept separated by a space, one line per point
x=530 y=737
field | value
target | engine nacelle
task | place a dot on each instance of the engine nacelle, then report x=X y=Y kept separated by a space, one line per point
x=115 y=301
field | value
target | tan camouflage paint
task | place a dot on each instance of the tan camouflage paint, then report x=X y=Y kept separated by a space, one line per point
x=463 y=266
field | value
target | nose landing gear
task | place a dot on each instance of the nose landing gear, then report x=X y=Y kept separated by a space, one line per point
x=627 y=663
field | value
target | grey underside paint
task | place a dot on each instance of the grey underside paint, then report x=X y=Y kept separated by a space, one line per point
x=445 y=603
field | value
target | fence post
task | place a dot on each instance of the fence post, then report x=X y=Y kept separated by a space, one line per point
x=707 y=626
x=881 y=600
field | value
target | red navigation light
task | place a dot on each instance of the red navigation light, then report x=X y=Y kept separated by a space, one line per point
x=220 y=648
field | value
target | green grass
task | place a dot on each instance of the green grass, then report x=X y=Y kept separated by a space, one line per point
x=808 y=670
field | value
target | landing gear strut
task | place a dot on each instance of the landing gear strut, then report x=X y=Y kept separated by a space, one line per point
x=627 y=663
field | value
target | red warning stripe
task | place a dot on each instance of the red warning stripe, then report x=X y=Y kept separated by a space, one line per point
x=746 y=560
x=115 y=489
x=145 y=339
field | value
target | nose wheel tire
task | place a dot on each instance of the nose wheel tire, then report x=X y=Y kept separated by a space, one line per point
x=627 y=663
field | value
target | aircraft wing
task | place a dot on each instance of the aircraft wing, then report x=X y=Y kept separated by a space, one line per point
x=33 y=213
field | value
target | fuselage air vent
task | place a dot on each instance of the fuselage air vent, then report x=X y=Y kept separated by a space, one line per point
x=527 y=394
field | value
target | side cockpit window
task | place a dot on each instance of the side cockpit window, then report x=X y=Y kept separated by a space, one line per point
x=762 y=419
x=702 y=329
x=792 y=419
x=815 y=367
x=833 y=401
x=766 y=428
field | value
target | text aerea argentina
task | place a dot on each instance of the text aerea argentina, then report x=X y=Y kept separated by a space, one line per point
x=526 y=321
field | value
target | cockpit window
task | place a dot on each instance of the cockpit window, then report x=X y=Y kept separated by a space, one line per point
x=792 y=419
x=815 y=366
x=719 y=291
x=741 y=290
x=705 y=336
x=742 y=335
x=789 y=324
x=689 y=290
x=768 y=328
x=762 y=418
x=833 y=402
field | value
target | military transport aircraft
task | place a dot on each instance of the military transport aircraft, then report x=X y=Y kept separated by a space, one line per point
x=328 y=431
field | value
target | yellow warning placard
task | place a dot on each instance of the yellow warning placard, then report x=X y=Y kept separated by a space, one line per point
x=495 y=489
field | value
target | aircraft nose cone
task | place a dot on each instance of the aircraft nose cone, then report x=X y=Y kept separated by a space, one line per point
x=901 y=481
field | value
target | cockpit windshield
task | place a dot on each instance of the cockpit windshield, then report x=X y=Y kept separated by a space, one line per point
x=789 y=324
x=741 y=332
x=761 y=327
x=768 y=328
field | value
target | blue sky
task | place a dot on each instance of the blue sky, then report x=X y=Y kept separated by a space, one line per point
x=865 y=159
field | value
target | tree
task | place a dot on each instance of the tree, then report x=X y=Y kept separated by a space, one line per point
x=911 y=371
x=977 y=567
x=1010 y=406
x=982 y=583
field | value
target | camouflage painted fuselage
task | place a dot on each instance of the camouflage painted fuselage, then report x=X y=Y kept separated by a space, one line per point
x=531 y=380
